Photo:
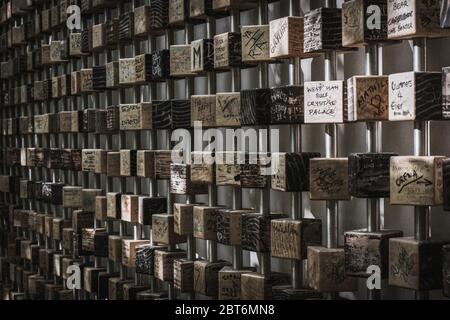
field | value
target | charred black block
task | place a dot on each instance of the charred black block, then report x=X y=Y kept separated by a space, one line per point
x=101 y=244
x=149 y=206
x=162 y=115
x=99 y=78
x=126 y=27
x=145 y=258
x=181 y=113
x=52 y=192
x=255 y=107
x=103 y=284
x=161 y=65
x=323 y=30
x=369 y=174
x=287 y=105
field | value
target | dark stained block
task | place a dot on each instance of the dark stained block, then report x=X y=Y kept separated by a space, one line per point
x=183 y=275
x=115 y=287
x=149 y=206
x=126 y=27
x=145 y=258
x=130 y=290
x=287 y=105
x=369 y=174
x=255 y=107
x=162 y=115
x=52 y=192
x=255 y=231
x=101 y=244
x=161 y=65
x=181 y=113
x=363 y=249
x=181 y=183
x=229 y=226
x=103 y=284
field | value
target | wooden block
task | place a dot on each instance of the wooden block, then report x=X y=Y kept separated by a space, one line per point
x=75 y=82
x=113 y=164
x=416 y=181
x=52 y=192
x=178 y=12
x=445 y=14
x=445 y=92
x=227 y=50
x=287 y=105
x=143 y=68
x=98 y=37
x=180 y=181
x=74 y=44
x=116 y=288
x=112 y=32
x=183 y=275
x=94 y=160
x=88 y=120
x=200 y=9
x=418 y=18
x=129 y=251
x=136 y=116
x=229 y=226
x=145 y=258
x=323 y=30
x=88 y=199
x=44 y=123
x=286 y=292
x=230 y=283
x=329 y=179
x=415 y=96
x=416 y=265
x=128 y=163
x=206 y=276
x=180 y=113
x=368 y=174
x=162 y=114
x=255 y=106
x=114 y=205
x=82 y=219
x=253 y=172
x=327 y=270
x=115 y=247
x=129 y=209
x=101 y=244
x=255 y=43
x=101 y=208
x=324 y=102
x=161 y=65
x=130 y=290
x=164 y=263
x=203 y=167
x=290 y=171
x=180 y=60
x=203 y=108
x=149 y=206
x=255 y=231
x=142 y=26
x=46 y=260
x=202 y=55
x=163 y=159
x=145 y=164
x=290 y=238
x=91 y=278
x=163 y=230
x=57 y=52
x=86 y=83
x=112 y=74
x=363 y=249
x=205 y=222
x=69 y=121
x=255 y=286
x=88 y=240
x=112 y=119
x=65 y=295
x=127 y=72
x=286 y=37
x=99 y=78
x=103 y=284
x=58 y=226
x=228 y=107
x=126 y=27
x=183 y=218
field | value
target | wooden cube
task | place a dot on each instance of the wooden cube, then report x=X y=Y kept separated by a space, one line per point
x=69 y=121
x=329 y=179
x=112 y=74
x=58 y=225
x=52 y=192
x=202 y=55
x=178 y=12
x=290 y=171
x=164 y=263
x=161 y=65
x=163 y=230
x=229 y=226
x=128 y=163
x=363 y=249
x=143 y=68
x=82 y=219
x=255 y=43
x=114 y=205
x=290 y=238
x=88 y=199
x=255 y=231
x=254 y=170
x=103 y=284
x=230 y=283
x=148 y=206
x=203 y=167
x=359 y=22
x=86 y=83
x=130 y=205
x=183 y=275
x=113 y=164
x=286 y=37
x=68 y=239
x=116 y=288
x=180 y=113
x=415 y=96
x=367 y=98
x=115 y=247
x=44 y=123
x=255 y=107
x=206 y=275
x=326 y=268
x=255 y=286
x=203 y=108
x=94 y=160
x=227 y=51
x=129 y=251
x=411 y=19
x=287 y=105
x=126 y=27
x=145 y=163
x=145 y=258
x=369 y=174
x=414 y=264
x=163 y=159
x=127 y=72
x=180 y=60
x=416 y=181
x=205 y=222
x=101 y=208
x=101 y=244
x=200 y=9
x=74 y=43
x=91 y=278
x=181 y=183
x=183 y=218
x=323 y=30
x=142 y=25
x=130 y=290
x=99 y=78
x=98 y=37
x=136 y=116
x=228 y=107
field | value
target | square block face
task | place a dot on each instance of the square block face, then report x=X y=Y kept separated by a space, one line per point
x=255 y=231
x=143 y=66
x=255 y=106
x=163 y=230
x=204 y=222
x=290 y=171
x=367 y=98
x=446 y=270
x=255 y=43
x=228 y=169
x=286 y=37
x=88 y=199
x=177 y=12
x=130 y=204
x=141 y=21
x=326 y=268
x=113 y=164
x=164 y=264
x=415 y=96
x=363 y=249
x=163 y=160
x=149 y=206
x=180 y=181
x=290 y=238
x=129 y=251
x=180 y=60
x=358 y=24
x=329 y=179
x=115 y=287
x=112 y=74
x=145 y=258
x=287 y=105
x=145 y=164
x=324 y=102
x=416 y=264
x=206 y=275
x=227 y=50
x=183 y=275
x=183 y=218
x=322 y=30
x=203 y=109
x=416 y=181
x=127 y=72
x=93 y=160
x=417 y=18
x=136 y=116
x=128 y=163
x=255 y=286
x=202 y=167
x=228 y=107
x=369 y=174
x=202 y=55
